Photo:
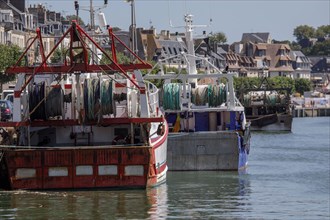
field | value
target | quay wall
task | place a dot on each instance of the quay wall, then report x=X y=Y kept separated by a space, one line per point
x=203 y=151
x=311 y=106
x=311 y=112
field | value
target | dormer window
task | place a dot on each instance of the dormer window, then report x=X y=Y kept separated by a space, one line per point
x=261 y=53
x=164 y=49
x=170 y=50
x=261 y=50
x=282 y=62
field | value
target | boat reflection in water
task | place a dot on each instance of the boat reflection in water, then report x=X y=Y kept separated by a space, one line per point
x=185 y=194
x=158 y=202
x=209 y=194
x=114 y=204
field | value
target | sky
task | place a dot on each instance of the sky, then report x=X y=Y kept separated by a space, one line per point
x=232 y=17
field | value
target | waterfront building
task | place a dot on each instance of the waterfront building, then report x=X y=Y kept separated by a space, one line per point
x=320 y=74
x=263 y=37
x=301 y=65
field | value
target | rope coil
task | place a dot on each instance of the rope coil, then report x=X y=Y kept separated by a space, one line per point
x=45 y=101
x=99 y=98
x=214 y=95
x=171 y=96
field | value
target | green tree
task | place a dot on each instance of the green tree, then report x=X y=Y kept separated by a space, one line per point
x=218 y=37
x=323 y=31
x=294 y=46
x=307 y=50
x=302 y=85
x=282 y=82
x=121 y=58
x=321 y=48
x=303 y=32
x=58 y=55
x=9 y=55
x=242 y=84
x=74 y=17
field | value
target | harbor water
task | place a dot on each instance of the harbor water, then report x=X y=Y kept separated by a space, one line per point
x=288 y=178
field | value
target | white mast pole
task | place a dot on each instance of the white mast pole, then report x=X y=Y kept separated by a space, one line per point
x=190 y=47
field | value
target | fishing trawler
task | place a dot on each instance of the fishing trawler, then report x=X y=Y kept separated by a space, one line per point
x=268 y=108
x=207 y=125
x=83 y=125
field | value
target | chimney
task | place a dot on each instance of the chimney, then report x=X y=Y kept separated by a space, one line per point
x=168 y=34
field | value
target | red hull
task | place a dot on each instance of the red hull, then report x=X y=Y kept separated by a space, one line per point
x=78 y=168
x=78 y=110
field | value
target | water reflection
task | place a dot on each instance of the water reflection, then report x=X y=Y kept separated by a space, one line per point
x=208 y=194
x=119 y=204
x=288 y=178
x=158 y=201
x=186 y=194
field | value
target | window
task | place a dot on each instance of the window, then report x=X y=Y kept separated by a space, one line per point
x=169 y=49
x=261 y=53
x=282 y=63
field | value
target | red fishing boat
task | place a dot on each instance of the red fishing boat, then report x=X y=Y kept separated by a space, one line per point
x=80 y=124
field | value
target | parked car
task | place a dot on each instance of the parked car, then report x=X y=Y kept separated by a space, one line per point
x=10 y=97
x=6 y=92
x=6 y=110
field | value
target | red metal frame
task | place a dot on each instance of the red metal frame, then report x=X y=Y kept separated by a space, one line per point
x=42 y=50
x=77 y=34
x=73 y=122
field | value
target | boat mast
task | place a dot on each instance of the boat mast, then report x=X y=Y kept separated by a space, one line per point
x=191 y=65
x=190 y=44
x=92 y=11
x=133 y=34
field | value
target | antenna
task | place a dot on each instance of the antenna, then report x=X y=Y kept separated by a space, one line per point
x=169 y=16
x=171 y=25
x=211 y=14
